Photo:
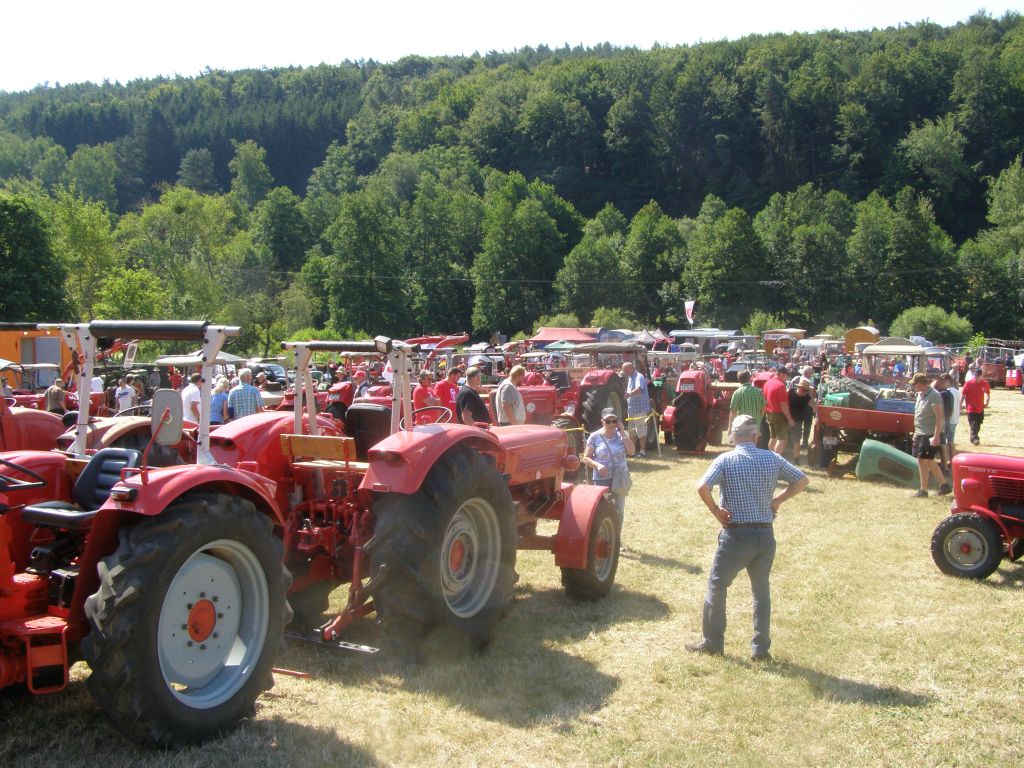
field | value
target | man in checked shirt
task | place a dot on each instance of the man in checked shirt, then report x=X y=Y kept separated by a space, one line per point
x=747 y=477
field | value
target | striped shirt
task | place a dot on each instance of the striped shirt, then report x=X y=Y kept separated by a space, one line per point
x=747 y=476
x=244 y=400
x=640 y=403
x=748 y=400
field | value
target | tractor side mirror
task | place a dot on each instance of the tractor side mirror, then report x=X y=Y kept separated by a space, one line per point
x=165 y=424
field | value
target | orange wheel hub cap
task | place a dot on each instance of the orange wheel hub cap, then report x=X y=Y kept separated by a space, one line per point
x=202 y=618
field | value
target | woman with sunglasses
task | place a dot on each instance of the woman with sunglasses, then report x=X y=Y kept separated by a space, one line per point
x=606 y=454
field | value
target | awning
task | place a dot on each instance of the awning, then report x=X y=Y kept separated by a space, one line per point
x=548 y=335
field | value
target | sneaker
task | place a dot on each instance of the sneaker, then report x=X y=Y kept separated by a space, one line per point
x=761 y=656
x=919 y=495
x=704 y=648
x=944 y=490
x=642 y=455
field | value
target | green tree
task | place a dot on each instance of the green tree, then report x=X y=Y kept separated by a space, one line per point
x=521 y=254
x=613 y=317
x=761 y=321
x=591 y=275
x=279 y=230
x=92 y=172
x=83 y=240
x=250 y=177
x=652 y=258
x=558 y=320
x=934 y=323
x=366 y=280
x=197 y=172
x=31 y=275
x=132 y=294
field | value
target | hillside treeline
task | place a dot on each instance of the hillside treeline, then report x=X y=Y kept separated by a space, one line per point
x=826 y=178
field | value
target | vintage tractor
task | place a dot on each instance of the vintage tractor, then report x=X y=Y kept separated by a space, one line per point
x=27 y=429
x=171 y=582
x=986 y=521
x=603 y=387
x=699 y=414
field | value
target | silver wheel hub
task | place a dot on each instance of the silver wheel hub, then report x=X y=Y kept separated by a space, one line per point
x=213 y=624
x=966 y=547
x=470 y=558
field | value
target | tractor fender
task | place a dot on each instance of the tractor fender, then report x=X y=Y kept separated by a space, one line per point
x=400 y=462
x=988 y=513
x=598 y=377
x=167 y=484
x=573 y=537
x=666 y=418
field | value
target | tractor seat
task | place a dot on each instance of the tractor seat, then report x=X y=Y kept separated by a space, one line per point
x=91 y=491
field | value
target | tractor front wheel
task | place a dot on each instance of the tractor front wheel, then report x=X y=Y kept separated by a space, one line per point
x=967 y=545
x=595 y=581
x=187 y=620
x=446 y=556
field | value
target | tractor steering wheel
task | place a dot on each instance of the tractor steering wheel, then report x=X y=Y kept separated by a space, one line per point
x=8 y=483
x=136 y=410
x=444 y=416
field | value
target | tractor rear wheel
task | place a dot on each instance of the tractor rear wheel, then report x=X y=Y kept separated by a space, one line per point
x=187 y=620
x=577 y=442
x=967 y=545
x=611 y=395
x=595 y=581
x=687 y=424
x=448 y=556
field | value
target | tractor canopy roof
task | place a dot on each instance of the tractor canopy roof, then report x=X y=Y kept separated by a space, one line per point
x=609 y=348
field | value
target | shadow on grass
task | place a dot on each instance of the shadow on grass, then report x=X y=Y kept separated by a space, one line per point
x=1009 y=576
x=523 y=678
x=839 y=689
x=661 y=562
x=29 y=739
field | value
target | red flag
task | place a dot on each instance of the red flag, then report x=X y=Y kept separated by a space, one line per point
x=689 y=311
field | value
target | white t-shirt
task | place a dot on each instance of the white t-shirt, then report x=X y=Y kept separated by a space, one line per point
x=190 y=394
x=955 y=417
x=125 y=397
x=97 y=384
x=507 y=393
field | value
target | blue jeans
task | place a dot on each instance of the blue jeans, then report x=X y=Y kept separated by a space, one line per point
x=752 y=549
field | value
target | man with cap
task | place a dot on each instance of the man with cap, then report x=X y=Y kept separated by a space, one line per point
x=974 y=397
x=606 y=454
x=747 y=477
x=929 y=430
x=362 y=383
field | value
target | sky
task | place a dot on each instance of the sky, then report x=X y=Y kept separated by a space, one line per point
x=68 y=41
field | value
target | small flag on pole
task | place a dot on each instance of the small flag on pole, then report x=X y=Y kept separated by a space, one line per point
x=689 y=311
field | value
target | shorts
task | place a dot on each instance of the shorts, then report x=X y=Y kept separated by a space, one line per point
x=778 y=426
x=923 y=448
x=950 y=432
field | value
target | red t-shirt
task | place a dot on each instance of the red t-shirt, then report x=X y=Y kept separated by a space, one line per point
x=775 y=394
x=446 y=392
x=973 y=394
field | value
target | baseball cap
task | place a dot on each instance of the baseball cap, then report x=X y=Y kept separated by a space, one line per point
x=744 y=425
x=803 y=382
x=360 y=374
x=609 y=412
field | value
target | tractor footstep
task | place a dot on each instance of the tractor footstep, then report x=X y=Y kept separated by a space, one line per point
x=313 y=637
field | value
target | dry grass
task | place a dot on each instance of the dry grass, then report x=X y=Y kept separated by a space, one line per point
x=882 y=661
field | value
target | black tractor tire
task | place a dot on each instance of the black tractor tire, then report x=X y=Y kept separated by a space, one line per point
x=688 y=423
x=310 y=604
x=151 y=627
x=577 y=442
x=612 y=395
x=446 y=557
x=967 y=545
x=595 y=581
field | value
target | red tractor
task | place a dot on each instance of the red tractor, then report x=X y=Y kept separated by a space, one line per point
x=173 y=583
x=699 y=413
x=986 y=521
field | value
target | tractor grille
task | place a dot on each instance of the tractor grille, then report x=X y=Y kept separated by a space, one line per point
x=1008 y=488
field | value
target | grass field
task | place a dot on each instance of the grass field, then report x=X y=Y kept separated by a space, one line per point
x=881 y=660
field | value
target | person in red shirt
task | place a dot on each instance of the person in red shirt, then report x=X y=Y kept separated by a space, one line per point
x=776 y=409
x=447 y=390
x=174 y=376
x=423 y=397
x=974 y=397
